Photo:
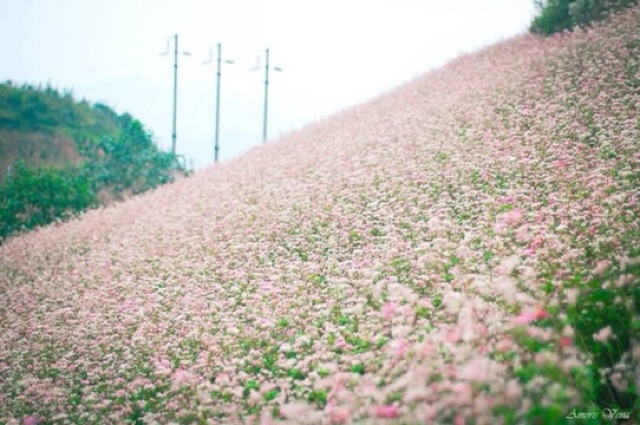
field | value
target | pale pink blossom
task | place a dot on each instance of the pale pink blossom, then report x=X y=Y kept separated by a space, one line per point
x=512 y=217
x=603 y=335
x=601 y=267
x=339 y=415
x=388 y=310
x=530 y=316
x=386 y=411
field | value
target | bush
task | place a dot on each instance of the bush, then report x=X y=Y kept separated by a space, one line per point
x=559 y=15
x=130 y=162
x=553 y=17
x=38 y=196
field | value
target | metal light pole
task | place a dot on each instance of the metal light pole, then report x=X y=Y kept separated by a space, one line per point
x=218 y=75
x=175 y=90
x=266 y=93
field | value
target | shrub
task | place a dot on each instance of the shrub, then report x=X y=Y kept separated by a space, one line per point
x=128 y=163
x=559 y=15
x=38 y=196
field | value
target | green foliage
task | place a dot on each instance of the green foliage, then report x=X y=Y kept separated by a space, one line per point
x=559 y=15
x=319 y=397
x=603 y=302
x=553 y=17
x=129 y=162
x=37 y=108
x=598 y=306
x=35 y=197
x=117 y=158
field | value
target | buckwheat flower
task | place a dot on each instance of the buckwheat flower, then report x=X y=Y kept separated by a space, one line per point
x=624 y=280
x=295 y=410
x=265 y=417
x=339 y=415
x=398 y=348
x=601 y=267
x=386 y=411
x=542 y=334
x=512 y=217
x=435 y=225
x=603 y=334
x=530 y=316
x=480 y=369
x=545 y=357
x=522 y=233
x=31 y=420
x=571 y=295
x=453 y=301
x=388 y=310
x=182 y=377
x=255 y=398
x=619 y=381
x=513 y=390
x=506 y=287
x=426 y=413
x=401 y=331
x=527 y=273
x=286 y=347
x=565 y=341
x=508 y=265
x=453 y=335
x=341 y=343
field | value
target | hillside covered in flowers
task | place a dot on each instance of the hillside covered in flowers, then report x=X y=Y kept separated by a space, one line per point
x=462 y=250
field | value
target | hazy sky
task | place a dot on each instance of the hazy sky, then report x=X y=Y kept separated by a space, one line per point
x=333 y=54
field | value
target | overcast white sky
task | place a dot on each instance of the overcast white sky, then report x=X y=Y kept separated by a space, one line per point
x=334 y=53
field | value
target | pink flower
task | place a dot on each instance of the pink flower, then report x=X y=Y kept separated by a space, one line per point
x=339 y=416
x=386 y=411
x=399 y=347
x=388 y=309
x=341 y=343
x=601 y=267
x=183 y=378
x=30 y=420
x=265 y=417
x=531 y=316
x=512 y=217
x=537 y=242
x=603 y=335
x=565 y=341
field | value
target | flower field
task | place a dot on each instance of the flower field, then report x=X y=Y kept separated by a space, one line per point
x=464 y=249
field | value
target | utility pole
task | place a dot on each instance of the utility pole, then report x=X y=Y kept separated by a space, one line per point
x=266 y=97
x=175 y=90
x=175 y=94
x=218 y=75
x=266 y=93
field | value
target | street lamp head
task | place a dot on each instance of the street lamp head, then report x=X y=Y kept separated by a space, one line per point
x=277 y=68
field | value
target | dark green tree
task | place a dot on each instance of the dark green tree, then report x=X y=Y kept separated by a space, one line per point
x=559 y=15
x=38 y=196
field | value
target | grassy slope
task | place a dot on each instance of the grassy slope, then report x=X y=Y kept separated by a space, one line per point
x=373 y=265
